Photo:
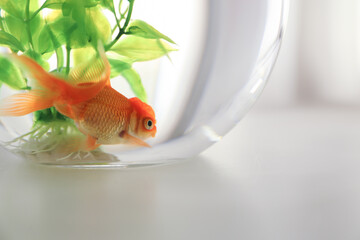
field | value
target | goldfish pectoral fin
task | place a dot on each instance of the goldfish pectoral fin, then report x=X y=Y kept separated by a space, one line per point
x=134 y=140
x=91 y=143
x=24 y=103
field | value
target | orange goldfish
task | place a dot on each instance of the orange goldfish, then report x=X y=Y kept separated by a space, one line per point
x=101 y=113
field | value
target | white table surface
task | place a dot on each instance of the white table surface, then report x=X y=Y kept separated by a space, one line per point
x=280 y=174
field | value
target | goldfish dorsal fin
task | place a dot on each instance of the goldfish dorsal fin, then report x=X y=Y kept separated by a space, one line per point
x=89 y=79
x=95 y=71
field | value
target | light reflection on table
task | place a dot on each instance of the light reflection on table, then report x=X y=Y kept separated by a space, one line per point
x=279 y=175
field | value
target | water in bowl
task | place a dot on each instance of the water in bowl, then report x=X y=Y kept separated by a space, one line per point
x=226 y=52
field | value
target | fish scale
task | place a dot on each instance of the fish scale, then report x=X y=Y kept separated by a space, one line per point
x=105 y=115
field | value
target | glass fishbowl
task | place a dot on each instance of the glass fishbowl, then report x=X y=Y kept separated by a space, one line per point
x=214 y=61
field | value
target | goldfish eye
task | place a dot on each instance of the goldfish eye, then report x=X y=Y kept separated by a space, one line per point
x=148 y=124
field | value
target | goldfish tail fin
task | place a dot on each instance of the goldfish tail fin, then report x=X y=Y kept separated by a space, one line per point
x=33 y=70
x=83 y=83
x=24 y=103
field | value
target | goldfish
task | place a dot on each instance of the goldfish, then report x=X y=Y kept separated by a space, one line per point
x=100 y=112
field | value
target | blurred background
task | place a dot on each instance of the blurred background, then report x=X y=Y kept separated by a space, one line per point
x=320 y=56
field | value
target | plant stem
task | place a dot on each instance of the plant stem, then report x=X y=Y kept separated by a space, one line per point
x=122 y=30
x=68 y=49
x=1 y=23
x=27 y=21
x=117 y=20
x=36 y=12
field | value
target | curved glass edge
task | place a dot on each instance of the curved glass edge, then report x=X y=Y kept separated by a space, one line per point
x=232 y=112
x=241 y=103
x=200 y=138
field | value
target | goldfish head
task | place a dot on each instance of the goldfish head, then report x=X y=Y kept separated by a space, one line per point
x=143 y=120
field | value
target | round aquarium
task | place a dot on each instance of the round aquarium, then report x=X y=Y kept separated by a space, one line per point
x=130 y=82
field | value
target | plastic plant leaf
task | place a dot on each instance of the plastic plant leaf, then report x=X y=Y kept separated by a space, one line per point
x=44 y=45
x=53 y=4
x=141 y=49
x=10 y=41
x=10 y=74
x=17 y=7
x=77 y=10
x=36 y=25
x=98 y=27
x=67 y=30
x=109 y=4
x=58 y=4
x=79 y=23
x=87 y=3
x=118 y=66
x=14 y=7
x=47 y=115
x=64 y=28
x=82 y=55
x=38 y=58
x=57 y=46
x=142 y=29
x=134 y=80
x=66 y=9
x=16 y=28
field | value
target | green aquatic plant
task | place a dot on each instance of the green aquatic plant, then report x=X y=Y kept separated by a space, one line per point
x=71 y=31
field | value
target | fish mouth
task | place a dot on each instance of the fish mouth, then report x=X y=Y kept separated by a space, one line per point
x=153 y=132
